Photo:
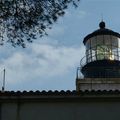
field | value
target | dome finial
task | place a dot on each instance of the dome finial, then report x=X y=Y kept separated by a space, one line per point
x=102 y=25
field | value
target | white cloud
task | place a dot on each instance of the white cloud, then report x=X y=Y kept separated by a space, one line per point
x=40 y=61
x=43 y=60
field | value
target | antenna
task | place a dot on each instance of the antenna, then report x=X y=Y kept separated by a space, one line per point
x=3 y=86
x=102 y=16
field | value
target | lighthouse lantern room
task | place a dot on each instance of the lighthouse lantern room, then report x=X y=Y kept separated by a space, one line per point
x=102 y=59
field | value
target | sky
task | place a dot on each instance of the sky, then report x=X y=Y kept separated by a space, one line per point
x=50 y=63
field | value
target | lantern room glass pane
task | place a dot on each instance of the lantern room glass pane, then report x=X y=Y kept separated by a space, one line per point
x=103 y=47
x=115 y=47
x=115 y=53
x=100 y=39
x=107 y=40
x=88 y=54
x=93 y=42
x=93 y=55
x=88 y=44
x=100 y=52
x=118 y=48
x=114 y=41
x=118 y=42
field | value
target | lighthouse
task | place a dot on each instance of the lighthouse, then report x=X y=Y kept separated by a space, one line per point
x=101 y=64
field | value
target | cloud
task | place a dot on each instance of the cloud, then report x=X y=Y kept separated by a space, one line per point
x=40 y=61
x=44 y=61
x=60 y=59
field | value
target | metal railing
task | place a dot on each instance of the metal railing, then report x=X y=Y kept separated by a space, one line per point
x=78 y=73
x=96 y=57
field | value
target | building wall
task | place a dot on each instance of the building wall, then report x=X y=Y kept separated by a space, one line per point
x=104 y=110
x=98 y=84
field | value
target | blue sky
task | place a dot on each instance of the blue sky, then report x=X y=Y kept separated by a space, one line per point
x=50 y=63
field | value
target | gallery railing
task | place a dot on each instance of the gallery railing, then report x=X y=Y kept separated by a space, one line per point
x=96 y=57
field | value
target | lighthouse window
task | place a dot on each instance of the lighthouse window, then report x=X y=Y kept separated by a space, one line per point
x=88 y=44
x=107 y=40
x=119 y=42
x=115 y=47
x=100 y=40
x=93 y=55
x=115 y=53
x=115 y=41
x=103 y=47
x=100 y=52
x=93 y=42
x=88 y=53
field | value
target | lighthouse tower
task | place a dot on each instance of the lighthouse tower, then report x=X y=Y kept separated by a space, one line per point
x=101 y=64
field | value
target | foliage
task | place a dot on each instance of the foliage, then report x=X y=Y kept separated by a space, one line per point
x=22 y=20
